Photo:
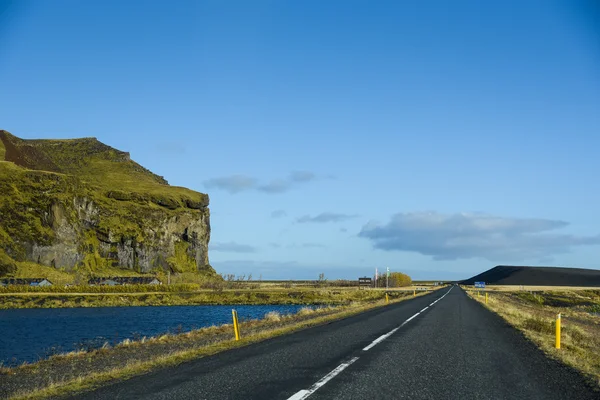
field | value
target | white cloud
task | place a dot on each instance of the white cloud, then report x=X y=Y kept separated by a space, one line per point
x=231 y=247
x=239 y=183
x=232 y=184
x=463 y=236
x=302 y=176
x=278 y=214
x=310 y=245
x=275 y=186
x=325 y=217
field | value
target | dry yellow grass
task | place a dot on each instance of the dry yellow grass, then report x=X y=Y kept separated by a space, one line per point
x=580 y=336
x=527 y=288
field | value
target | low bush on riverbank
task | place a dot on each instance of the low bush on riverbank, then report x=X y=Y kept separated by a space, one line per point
x=533 y=314
x=77 y=371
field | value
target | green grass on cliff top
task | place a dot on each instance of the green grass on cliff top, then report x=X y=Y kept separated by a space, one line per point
x=103 y=168
x=37 y=173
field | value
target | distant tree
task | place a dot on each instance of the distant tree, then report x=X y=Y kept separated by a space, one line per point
x=322 y=278
x=396 y=279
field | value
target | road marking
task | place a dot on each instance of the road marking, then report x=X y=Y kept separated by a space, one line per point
x=410 y=319
x=303 y=394
x=390 y=333
x=381 y=338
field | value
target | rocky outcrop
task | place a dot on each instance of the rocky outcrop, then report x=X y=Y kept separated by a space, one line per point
x=77 y=218
x=167 y=242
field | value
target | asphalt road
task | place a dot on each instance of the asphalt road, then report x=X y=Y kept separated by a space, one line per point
x=439 y=346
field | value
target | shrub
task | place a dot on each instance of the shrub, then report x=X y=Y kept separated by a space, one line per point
x=531 y=298
x=273 y=316
x=577 y=334
x=538 y=325
x=396 y=279
x=305 y=311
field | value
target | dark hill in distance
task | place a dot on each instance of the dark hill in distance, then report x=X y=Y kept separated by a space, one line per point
x=537 y=276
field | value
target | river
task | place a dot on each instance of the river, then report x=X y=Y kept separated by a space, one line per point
x=33 y=334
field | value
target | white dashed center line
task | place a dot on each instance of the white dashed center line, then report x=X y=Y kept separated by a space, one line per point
x=303 y=394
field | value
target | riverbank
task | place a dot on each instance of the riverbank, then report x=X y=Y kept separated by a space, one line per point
x=64 y=374
x=535 y=314
x=120 y=298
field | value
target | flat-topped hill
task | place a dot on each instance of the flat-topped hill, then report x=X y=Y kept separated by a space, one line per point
x=537 y=276
x=79 y=203
x=100 y=166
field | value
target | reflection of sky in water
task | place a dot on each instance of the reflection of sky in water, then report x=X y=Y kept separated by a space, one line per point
x=30 y=334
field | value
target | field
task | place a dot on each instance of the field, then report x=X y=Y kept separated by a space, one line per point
x=188 y=289
x=189 y=294
x=535 y=312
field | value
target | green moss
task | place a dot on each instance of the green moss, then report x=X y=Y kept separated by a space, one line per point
x=7 y=264
x=181 y=261
x=92 y=261
x=128 y=200
x=26 y=198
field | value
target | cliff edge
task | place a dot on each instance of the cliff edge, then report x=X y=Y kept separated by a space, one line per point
x=82 y=205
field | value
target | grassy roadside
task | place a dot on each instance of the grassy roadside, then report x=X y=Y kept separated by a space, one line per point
x=327 y=296
x=534 y=314
x=75 y=372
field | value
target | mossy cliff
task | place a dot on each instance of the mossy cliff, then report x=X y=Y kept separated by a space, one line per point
x=82 y=205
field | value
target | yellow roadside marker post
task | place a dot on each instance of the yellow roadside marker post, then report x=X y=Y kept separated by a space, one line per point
x=414 y=292
x=387 y=299
x=236 y=326
x=558 y=331
x=486 y=297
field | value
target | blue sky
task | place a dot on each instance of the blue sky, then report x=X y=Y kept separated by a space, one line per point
x=438 y=138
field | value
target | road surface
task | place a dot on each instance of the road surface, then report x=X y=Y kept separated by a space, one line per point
x=439 y=346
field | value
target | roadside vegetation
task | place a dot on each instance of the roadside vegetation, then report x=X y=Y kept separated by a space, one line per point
x=534 y=313
x=396 y=279
x=183 y=294
x=189 y=289
x=84 y=370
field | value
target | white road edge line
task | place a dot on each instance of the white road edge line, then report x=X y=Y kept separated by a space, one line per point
x=303 y=394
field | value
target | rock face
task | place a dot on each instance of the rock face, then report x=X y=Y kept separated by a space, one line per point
x=79 y=204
